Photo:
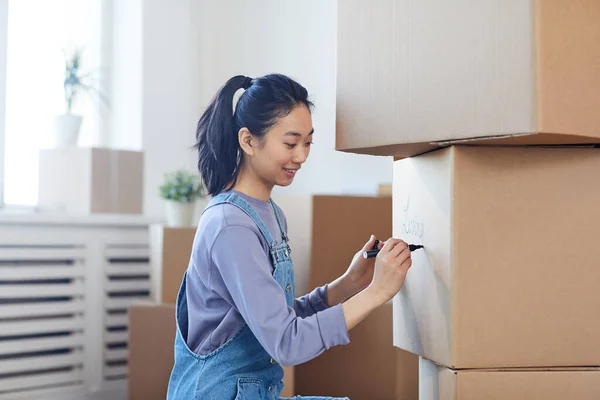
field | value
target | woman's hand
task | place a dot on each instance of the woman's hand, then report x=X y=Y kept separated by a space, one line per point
x=356 y=278
x=360 y=273
x=391 y=266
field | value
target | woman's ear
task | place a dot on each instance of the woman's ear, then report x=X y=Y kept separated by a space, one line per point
x=245 y=140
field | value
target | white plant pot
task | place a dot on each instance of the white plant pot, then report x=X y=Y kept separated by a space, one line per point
x=180 y=215
x=66 y=129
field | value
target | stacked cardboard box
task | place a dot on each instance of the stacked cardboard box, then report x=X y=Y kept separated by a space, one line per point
x=416 y=76
x=439 y=383
x=151 y=339
x=152 y=324
x=482 y=104
x=508 y=277
x=171 y=249
x=366 y=368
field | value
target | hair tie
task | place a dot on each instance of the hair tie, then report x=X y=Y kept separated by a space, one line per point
x=236 y=96
x=247 y=83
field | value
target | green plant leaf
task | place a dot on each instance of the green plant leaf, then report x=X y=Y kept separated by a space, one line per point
x=181 y=185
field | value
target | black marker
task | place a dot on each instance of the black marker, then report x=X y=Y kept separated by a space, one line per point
x=374 y=252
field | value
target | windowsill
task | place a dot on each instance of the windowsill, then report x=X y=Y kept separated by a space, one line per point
x=17 y=209
x=30 y=215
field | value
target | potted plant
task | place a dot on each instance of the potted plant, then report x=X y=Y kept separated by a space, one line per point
x=181 y=191
x=67 y=125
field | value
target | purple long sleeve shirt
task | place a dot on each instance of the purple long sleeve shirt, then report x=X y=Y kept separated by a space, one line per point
x=230 y=283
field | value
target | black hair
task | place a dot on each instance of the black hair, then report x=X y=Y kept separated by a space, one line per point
x=264 y=101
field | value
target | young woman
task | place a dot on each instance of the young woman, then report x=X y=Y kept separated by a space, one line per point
x=237 y=318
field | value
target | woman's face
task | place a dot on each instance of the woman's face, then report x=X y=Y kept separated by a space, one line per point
x=284 y=148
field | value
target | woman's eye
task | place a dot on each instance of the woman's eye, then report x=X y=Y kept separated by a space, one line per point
x=309 y=143
x=290 y=145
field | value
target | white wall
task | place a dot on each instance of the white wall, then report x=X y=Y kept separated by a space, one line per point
x=299 y=40
x=123 y=53
x=151 y=47
x=169 y=92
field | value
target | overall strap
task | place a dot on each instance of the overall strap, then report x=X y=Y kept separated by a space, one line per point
x=233 y=198
x=218 y=199
x=279 y=220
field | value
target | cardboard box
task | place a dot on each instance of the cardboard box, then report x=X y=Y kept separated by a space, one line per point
x=369 y=368
x=414 y=76
x=289 y=382
x=151 y=338
x=341 y=225
x=80 y=180
x=509 y=274
x=439 y=383
x=171 y=249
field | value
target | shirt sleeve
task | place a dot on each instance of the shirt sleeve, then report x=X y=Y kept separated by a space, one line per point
x=311 y=303
x=248 y=284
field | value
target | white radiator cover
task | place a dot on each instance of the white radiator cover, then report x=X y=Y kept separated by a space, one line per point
x=65 y=285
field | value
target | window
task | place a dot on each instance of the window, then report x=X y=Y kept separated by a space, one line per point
x=37 y=33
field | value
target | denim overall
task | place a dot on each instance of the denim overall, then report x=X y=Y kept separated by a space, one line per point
x=240 y=369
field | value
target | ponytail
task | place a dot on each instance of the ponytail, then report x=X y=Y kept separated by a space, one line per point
x=263 y=102
x=217 y=143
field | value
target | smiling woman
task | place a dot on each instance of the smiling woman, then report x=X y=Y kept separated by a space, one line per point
x=237 y=318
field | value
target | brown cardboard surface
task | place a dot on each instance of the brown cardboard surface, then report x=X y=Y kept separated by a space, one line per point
x=412 y=76
x=369 y=367
x=151 y=337
x=406 y=376
x=117 y=181
x=341 y=225
x=439 y=383
x=509 y=273
x=289 y=387
x=171 y=251
x=568 y=59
